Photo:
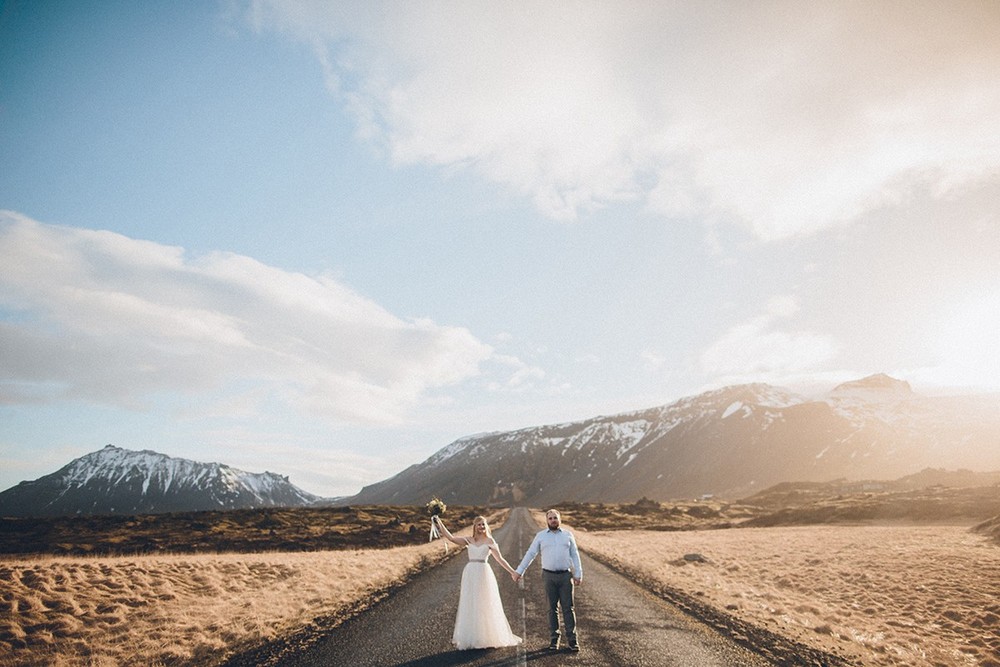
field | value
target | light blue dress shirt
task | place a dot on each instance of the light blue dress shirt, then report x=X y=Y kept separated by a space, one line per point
x=559 y=552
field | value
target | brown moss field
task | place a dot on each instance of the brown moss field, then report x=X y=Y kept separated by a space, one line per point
x=917 y=596
x=182 y=609
x=243 y=531
x=199 y=608
x=903 y=576
x=915 y=590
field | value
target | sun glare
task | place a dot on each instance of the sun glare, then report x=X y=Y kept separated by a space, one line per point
x=969 y=347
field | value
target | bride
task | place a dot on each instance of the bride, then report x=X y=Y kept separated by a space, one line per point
x=480 y=621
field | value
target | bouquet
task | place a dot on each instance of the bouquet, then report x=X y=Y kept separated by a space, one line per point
x=436 y=508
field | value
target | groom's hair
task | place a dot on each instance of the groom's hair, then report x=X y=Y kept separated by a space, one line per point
x=556 y=512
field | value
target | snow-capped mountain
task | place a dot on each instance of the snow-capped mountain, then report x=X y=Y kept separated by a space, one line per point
x=729 y=442
x=121 y=481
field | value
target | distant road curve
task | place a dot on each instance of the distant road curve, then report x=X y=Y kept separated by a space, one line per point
x=620 y=624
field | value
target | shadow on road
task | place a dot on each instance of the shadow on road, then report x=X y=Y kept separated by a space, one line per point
x=477 y=657
x=452 y=658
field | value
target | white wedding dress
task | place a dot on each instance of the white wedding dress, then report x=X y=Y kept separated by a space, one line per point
x=480 y=621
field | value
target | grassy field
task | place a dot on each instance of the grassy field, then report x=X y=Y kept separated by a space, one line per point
x=883 y=581
x=898 y=577
x=900 y=595
x=198 y=608
x=181 y=609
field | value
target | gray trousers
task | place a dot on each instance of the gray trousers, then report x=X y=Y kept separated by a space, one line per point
x=559 y=590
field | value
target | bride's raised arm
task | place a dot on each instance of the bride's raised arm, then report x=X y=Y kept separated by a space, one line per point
x=461 y=541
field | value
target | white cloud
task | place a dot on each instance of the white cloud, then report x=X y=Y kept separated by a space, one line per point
x=653 y=360
x=783 y=307
x=789 y=117
x=311 y=465
x=519 y=375
x=759 y=350
x=97 y=316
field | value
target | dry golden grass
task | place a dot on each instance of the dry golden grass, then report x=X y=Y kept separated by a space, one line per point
x=181 y=609
x=917 y=596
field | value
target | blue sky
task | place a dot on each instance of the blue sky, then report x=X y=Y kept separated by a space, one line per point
x=327 y=240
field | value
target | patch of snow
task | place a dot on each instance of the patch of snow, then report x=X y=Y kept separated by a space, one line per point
x=628 y=435
x=772 y=397
x=732 y=408
x=454 y=448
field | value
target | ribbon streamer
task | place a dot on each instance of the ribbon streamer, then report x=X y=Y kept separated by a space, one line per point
x=435 y=533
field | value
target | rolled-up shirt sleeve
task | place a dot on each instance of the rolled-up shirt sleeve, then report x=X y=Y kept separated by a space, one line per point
x=574 y=554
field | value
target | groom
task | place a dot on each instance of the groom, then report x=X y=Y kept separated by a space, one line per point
x=561 y=570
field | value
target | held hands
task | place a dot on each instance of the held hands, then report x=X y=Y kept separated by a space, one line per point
x=515 y=576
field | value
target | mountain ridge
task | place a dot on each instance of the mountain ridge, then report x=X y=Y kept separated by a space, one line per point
x=728 y=442
x=114 y=480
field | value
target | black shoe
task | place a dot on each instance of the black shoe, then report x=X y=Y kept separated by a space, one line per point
x=554 y=645
x=574 y=647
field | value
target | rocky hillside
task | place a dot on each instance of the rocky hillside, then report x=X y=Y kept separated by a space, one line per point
x=730 y=443
x=121 y=481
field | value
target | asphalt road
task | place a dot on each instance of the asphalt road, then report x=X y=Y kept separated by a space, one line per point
x=618 y=623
